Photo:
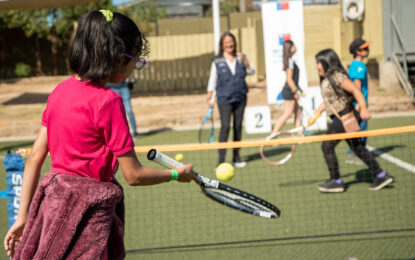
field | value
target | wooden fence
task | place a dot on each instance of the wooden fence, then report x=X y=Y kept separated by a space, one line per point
x=174 y=76
x=182 y=62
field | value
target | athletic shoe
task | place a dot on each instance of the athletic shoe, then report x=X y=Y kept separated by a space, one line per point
x=379 y=183
x=353 y=159
x=331 y=186
x=237 y=162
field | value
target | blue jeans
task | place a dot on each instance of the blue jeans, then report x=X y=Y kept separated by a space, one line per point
x=122 y=89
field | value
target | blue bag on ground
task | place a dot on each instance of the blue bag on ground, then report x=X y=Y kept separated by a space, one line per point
x=14 y=164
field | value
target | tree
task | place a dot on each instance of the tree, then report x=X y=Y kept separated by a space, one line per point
x=229 y=6
x=145 y=15
x=33 y=23
x=63 y=24
x=56 y=25
x=3 y=28
x=66 y=18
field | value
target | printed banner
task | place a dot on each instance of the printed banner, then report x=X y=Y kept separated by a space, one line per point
x=282 y=21
x=14 y=165
x=309 y=103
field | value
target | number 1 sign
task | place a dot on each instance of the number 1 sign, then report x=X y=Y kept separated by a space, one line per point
x=257 y=120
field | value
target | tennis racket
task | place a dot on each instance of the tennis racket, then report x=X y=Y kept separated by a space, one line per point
x=305 y=115
x=224 y=194
x=207 y=130
x=280 y=154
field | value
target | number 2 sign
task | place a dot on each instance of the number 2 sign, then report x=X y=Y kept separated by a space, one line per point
x=257 y=120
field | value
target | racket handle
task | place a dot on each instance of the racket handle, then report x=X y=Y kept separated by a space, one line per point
x=313 y=119
x=166 y=161
x=209 y=113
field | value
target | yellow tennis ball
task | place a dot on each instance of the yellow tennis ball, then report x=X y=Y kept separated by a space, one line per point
x=224 y=172
x=179 y=157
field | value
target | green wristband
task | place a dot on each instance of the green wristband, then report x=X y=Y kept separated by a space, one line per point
x=174 y=174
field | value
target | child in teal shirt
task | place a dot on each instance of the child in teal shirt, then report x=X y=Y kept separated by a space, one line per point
x=358 y=74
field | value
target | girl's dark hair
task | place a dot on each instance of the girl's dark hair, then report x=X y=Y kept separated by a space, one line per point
x=331 y=63
x=94 y=53
x=286 y=53
x=222 y=37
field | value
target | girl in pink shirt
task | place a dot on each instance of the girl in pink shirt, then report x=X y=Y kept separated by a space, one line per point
x=84 y=125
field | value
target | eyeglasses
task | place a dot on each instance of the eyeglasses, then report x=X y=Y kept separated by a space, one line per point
x=140 y=63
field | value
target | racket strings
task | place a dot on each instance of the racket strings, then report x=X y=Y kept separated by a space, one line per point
x=277 y=154
x=207 y=130
x=241 y=200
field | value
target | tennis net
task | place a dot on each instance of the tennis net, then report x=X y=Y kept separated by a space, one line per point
x=176 y=215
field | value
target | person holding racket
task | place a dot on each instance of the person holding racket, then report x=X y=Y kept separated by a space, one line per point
x=290 y=89
x=77 y=209
x=227 y=77
x=339 y=92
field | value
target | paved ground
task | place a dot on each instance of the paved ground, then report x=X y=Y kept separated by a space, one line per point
x=22 y=102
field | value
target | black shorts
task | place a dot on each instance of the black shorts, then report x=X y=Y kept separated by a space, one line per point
x=287 y=93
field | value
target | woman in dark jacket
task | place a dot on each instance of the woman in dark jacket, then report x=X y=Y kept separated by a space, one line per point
x=227 y=78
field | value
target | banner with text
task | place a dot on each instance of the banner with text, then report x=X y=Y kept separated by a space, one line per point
x=282 y=21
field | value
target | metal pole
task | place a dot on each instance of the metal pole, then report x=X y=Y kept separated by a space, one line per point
x=242 y=6
x=216 y=24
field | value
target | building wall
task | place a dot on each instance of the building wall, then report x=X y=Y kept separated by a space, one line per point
x=405 y=18
x=373 y=29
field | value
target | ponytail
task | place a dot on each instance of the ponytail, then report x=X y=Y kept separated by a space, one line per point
x=98 y=43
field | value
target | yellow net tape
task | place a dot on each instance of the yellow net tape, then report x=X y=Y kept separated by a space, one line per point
x=257 y=143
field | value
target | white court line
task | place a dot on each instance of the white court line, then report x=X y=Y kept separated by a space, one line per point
x=390 y=158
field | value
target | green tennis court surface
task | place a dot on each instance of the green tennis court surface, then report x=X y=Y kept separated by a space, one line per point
x=176 y=221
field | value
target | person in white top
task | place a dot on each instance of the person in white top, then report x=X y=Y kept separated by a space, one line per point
x=227 y=78
x=290 y=89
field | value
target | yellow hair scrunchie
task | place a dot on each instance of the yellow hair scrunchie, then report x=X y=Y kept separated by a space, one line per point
x=108 y=14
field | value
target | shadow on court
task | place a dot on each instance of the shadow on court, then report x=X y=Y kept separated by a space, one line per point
x=343 y=239
x=386 y=149
x=28 y=98
x=156 y=131
x=277 y=152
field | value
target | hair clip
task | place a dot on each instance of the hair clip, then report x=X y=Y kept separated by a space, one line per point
x=108 y=14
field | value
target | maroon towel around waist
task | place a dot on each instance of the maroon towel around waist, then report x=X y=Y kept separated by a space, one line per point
x=74 y=217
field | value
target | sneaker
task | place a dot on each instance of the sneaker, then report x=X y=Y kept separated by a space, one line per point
x=237 y=162
x=331 y=186
x=379 y=183
x=353 y=159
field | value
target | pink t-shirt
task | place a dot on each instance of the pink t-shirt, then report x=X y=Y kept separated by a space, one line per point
x=87 y=128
